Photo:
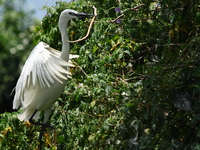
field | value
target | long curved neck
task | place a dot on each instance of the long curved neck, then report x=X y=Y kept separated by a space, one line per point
x=65 y=45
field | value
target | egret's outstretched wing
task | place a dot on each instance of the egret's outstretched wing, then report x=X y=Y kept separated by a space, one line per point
x=42 y=68
x=57 y=53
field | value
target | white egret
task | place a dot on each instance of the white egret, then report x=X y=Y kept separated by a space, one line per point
x=44 y=74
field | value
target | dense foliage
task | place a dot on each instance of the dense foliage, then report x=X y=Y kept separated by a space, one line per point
x=136 y=84
x=15 y=44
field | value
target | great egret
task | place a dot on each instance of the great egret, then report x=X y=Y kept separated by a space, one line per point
x=43 y=76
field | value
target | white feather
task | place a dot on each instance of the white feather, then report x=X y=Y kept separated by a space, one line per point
x=43 y=66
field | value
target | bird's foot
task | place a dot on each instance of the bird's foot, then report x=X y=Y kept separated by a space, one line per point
x=44 y=126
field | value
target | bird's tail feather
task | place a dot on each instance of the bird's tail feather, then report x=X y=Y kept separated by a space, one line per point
x=27 y=113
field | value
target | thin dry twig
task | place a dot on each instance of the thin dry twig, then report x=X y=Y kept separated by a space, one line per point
x=88 y=32
x=136 y=7
x=117 y=18
x=81 y=69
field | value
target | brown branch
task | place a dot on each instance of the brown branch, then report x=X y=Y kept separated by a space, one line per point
x=81 y=70
x=88 y=32
x=157 y=9
x=175 y=67
x=117 y=18
x=79 y=113
x=136 y=7
x=72 y=114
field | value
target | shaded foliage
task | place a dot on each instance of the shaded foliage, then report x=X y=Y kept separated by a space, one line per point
x=140 y=85
x=15 y=43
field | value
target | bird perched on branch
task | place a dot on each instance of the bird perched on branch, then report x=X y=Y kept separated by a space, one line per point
x=44 y=74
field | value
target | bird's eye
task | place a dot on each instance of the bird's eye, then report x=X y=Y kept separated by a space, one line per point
x=71 y=13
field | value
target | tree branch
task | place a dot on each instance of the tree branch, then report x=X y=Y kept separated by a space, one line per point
x=117 y=18
x=82 y=70
x=136 y=7
x=88 y=32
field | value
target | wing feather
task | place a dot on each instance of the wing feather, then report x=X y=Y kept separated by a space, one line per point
x=42 y=68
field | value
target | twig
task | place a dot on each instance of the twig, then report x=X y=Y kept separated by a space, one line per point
x=86 y=114
x=117 y=18
x=136 y=7
x=81 y=70
x=88 y=32
x=72 y=114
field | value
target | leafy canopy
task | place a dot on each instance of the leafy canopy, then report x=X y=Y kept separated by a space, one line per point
x=140 y=85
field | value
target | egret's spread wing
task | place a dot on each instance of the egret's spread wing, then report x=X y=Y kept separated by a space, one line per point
x=57 y=53
x=42 y=68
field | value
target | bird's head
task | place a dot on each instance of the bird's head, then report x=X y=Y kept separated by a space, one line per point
x=70 y=14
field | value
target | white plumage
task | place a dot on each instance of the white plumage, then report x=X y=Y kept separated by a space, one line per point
x=44 y=74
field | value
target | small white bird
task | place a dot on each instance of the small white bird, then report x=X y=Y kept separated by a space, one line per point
x=44 y=74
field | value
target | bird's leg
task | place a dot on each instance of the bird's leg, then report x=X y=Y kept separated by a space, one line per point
x=41 y=131
x=37 y=123
x=43 y=127
x=40 y=137
x=31 y=119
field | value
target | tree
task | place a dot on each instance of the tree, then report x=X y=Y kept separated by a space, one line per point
x=15 y=44
x=140 y=85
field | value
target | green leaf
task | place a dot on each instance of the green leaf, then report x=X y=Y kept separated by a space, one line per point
x=92 y=104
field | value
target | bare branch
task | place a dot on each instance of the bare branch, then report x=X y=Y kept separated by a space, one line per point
x=136 y=7
x=82 y=70
x=117 y=18
x=88 y=32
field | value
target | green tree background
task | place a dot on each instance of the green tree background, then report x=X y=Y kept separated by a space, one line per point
x=140 y=85
x=16 y=28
